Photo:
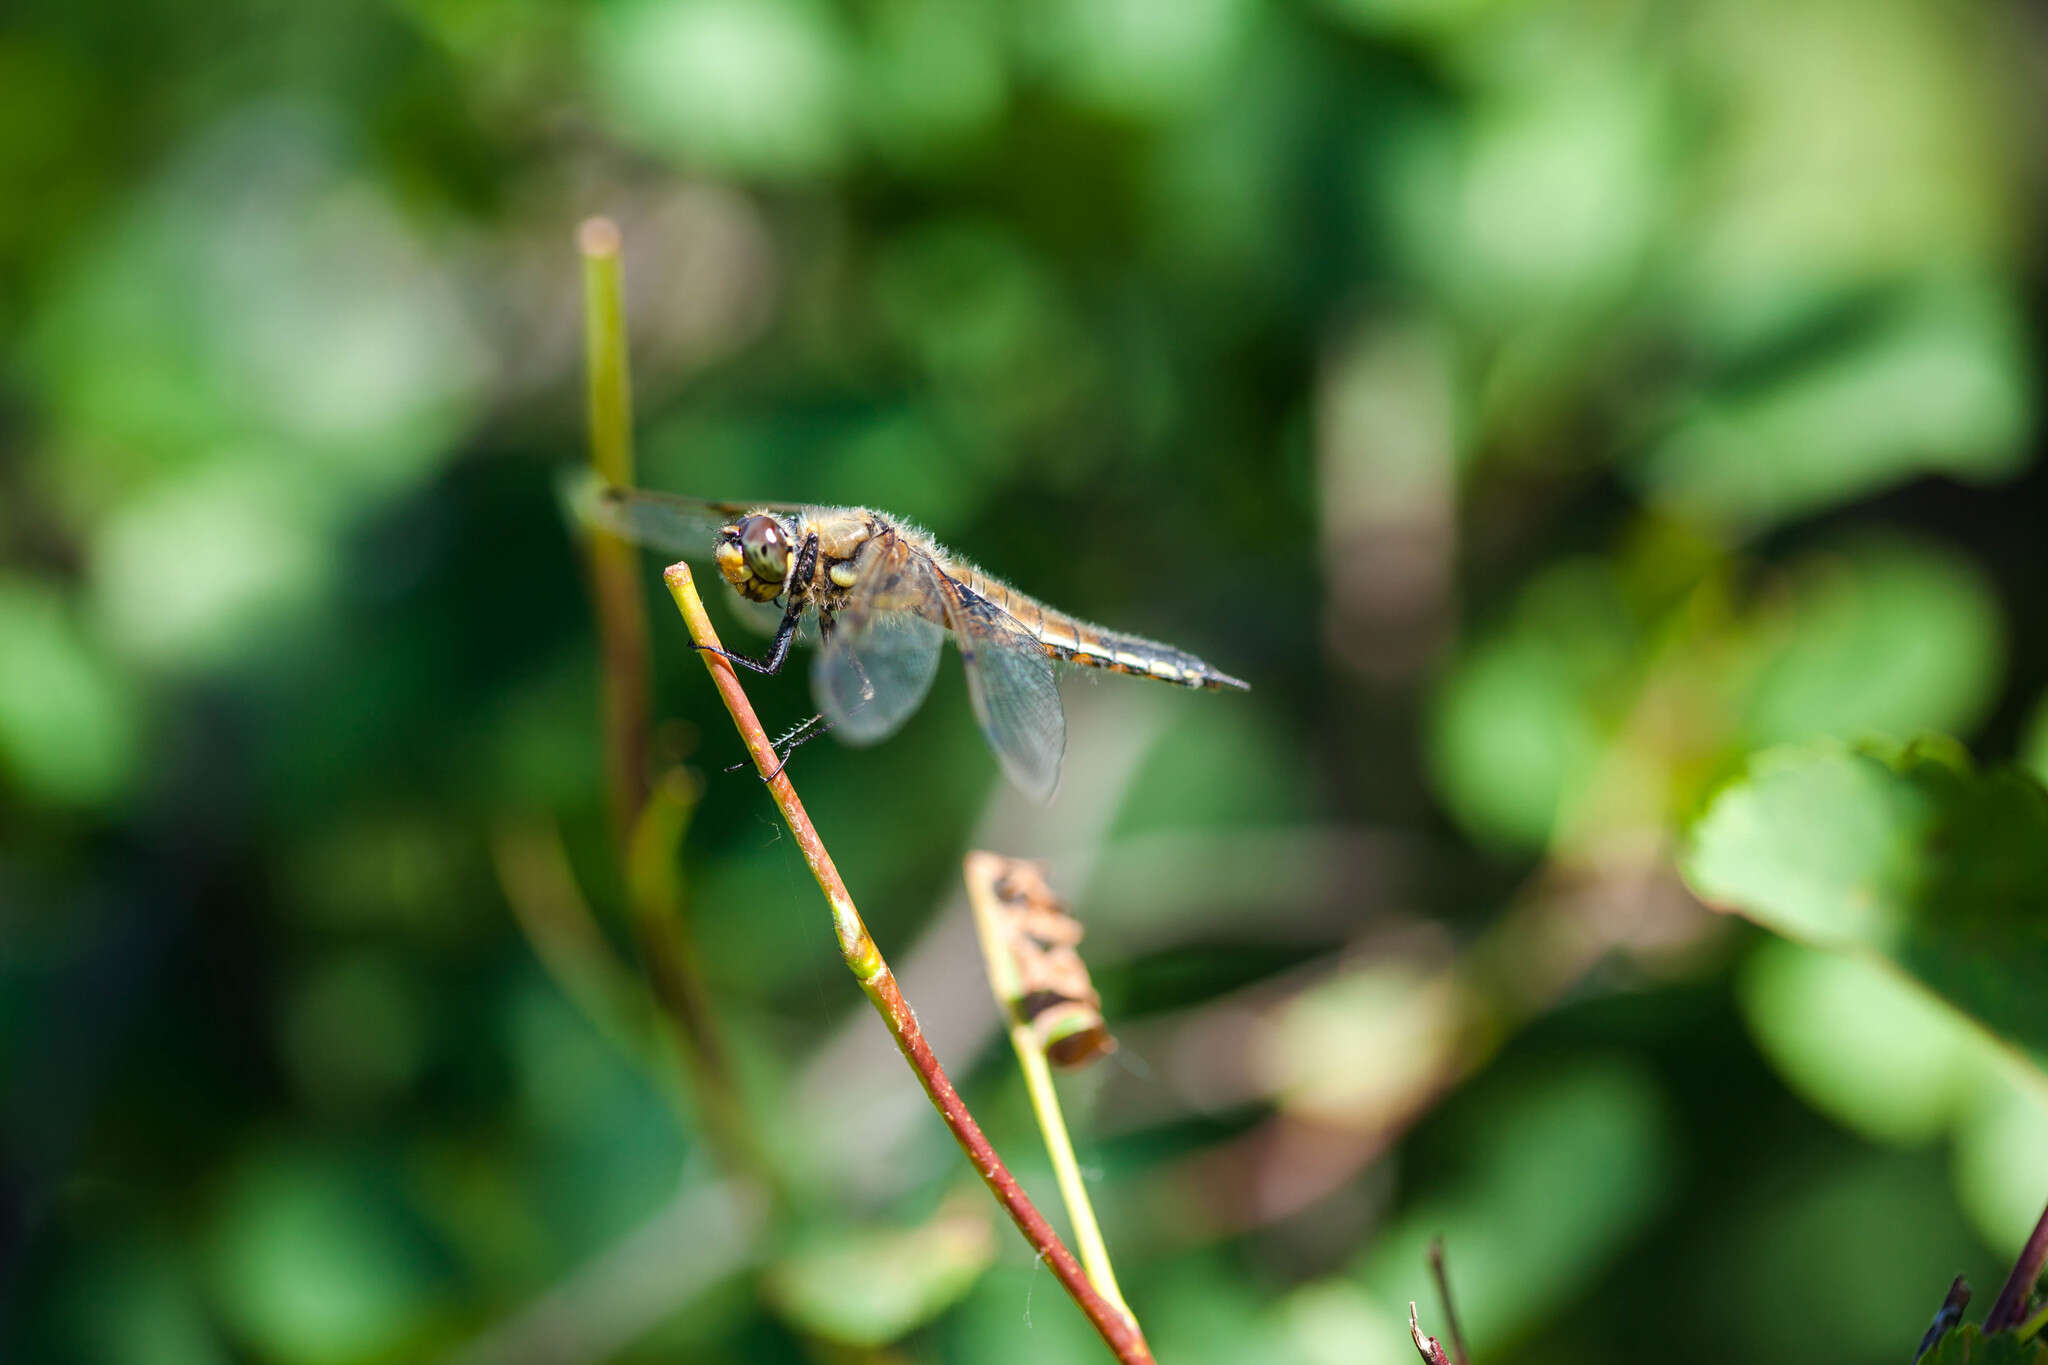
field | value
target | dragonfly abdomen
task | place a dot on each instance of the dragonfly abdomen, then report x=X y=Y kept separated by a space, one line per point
x=1090 y=646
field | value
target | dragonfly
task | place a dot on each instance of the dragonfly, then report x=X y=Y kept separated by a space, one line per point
x=885 y=596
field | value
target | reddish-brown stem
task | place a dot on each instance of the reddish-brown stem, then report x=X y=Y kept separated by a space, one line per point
x=2009 y=1309
x=879 y=983
x=1443 y=1289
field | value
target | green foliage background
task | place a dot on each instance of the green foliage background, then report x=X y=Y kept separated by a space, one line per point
x=1604 y=435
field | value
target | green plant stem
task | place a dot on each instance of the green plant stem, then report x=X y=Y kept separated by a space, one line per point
x=983 y=871
x=648 y=819
x=1045 y=1103
x=614 y=564
x=878 y=983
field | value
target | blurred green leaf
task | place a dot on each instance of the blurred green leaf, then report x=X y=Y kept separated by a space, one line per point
x=1836 y=1257
x=985 y=320
x=2001 y=1162
x=932 y=77
x=750 y=87
x=1519 y=724
x=1823 y=177
x=1556 y=1175
x=1138 y=58
x=1432 y=20
x=868 y=1286
x=1898 y=853
x=69 y=720
x=1541 y=206
x=133 y=1300
x=1880 y=637
x=1861 y=1044
x=1941 y=385
x=354 y=1032
x=1334 y=1322
x=262 y=301
x=197 y=573
x=315 y=1261
x=1885 y=638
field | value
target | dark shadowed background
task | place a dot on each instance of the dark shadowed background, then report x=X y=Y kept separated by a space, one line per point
x=1544 y=406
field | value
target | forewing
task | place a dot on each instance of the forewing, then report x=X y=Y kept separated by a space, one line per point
x=882 y=652
x=1010 y=679
x=659 y=521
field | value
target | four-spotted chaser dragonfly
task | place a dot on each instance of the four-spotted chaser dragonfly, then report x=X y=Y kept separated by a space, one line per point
x=885 y=596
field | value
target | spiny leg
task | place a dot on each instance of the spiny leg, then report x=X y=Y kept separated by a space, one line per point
x=787 y=745
x=801 y=735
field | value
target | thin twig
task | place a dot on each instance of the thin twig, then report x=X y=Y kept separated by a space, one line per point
x=2010 y=1307
x=1443 y=1289
x=864 y=959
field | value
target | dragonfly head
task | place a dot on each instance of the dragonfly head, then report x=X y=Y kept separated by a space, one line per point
x=754 y=554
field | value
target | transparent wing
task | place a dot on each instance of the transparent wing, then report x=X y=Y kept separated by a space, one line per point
x=882 y=652
x=1010 y=679
x=660 y=521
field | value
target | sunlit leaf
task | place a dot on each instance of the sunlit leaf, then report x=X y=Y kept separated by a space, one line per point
x=1863 y=1044
x=1902 y=854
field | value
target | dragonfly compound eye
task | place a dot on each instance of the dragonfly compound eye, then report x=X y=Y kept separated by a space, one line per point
x=766 y=548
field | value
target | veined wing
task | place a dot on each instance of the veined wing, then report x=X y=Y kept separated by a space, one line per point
x=1010 y=679
x=882 y=650
x=660 y=521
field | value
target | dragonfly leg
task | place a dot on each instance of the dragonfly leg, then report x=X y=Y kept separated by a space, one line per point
x=789 y=743
x=792 y=615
